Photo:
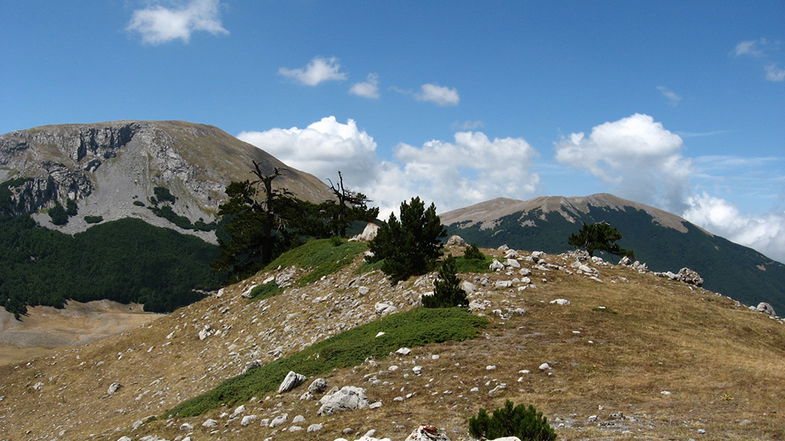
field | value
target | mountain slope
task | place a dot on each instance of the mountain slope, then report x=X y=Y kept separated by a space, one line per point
x=112 y=187
x=112 y=169
x=651 y=335
x=663 y=241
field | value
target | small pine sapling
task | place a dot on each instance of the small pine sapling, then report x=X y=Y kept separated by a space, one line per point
x=472 y=252
x=447 y=291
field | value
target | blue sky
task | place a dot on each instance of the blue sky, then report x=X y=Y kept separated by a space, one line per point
x=680 y=104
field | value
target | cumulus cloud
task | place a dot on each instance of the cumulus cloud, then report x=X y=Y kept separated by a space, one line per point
x=673 y=98
x=322 y=148
x=317 y=71
x=636 y=156
x=471 y=168
x=439 y=95
x=765 y=233
x=158 y=24
x=774 y=73
x=368 y=88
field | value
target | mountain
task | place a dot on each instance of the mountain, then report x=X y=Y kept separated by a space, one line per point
x=634 y=357
x=665 y=242
x=120 y=210
x=112 y=170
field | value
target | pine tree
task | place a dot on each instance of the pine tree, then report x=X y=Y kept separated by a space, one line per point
x=409 y=246
x=447 y=291
x=598 y=237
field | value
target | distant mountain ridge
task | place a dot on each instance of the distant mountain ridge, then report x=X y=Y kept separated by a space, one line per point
x=662 y=240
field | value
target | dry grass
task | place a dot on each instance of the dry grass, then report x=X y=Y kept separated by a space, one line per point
x=722 y=363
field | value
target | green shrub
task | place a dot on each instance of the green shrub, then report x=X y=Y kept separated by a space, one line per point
x=447 y=292
x=58 y=214
x=472 y=252
x=93 y=219
x=139 y=203
x=410 y=246
x=416 y=327
x=265 y=291
x=464 y=265
x=70 y=208
x=164 y=195
x=524 y=422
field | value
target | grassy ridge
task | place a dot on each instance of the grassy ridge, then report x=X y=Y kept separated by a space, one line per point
x=321 y=256
x=416 y=327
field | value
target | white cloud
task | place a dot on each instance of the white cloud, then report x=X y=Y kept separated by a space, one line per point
x=750 y=47
x=439 y=95
x=774 y=73
x=318 y=70
x=765 y=233
x=471 y=169
x=157 y=24
x=322 y=149
x=637 y=156
x=673 y=98
x=368 y=88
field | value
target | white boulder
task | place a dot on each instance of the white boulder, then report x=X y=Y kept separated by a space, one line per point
x=346 y=398
x=292 y=380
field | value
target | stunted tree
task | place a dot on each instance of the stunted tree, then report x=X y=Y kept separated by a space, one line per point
x=349 y=206
x=447 y=292
x=599 y=237
x=410 y=246
x=254 y=225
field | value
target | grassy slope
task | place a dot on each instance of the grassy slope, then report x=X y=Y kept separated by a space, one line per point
x=725 y=267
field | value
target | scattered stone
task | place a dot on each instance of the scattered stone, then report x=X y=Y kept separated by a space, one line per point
x=403 y=351
x=490 y=367
x=237 y=412
x=375 y=405
x=380 y=333
x=626 y=261
x=280 y=419
x=363 y=290
x=562 y=302
x=318 y=386
x=346 y=398
x=501 y=284
x=38 y=386
x=185 y=427
x=417 y=370
x=384 y=308
x=292 y=380
x=124 y=438
x=468 y=287
x=496 y=265
x=114 y=387
x=665 y=392
x=427 y=433
x=210 y=423
x=544 y=367
x=252 y=365
x=512 y=263
x=247 y=293
x=284 y=278
x=479 y=305
x=248 y=419
x=205 y=332
x=538 y=256
x=314 y=428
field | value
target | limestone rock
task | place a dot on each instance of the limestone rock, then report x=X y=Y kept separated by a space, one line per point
x=427 y=433
x=456 y=241
x=292 y=380
x=318 y=386
x=562 y=302
x=280 y=419
x=384 y=308
x=210 y=423
x=687 y=275
x=496 y=265
x=766 y=308
x=114 y=387
x=346 y=398
x=369 y=233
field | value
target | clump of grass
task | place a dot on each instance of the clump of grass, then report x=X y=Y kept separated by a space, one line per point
x=321 y=256
x=367 y=267
x=412 y=328
x=464 y=265
x=265 y=291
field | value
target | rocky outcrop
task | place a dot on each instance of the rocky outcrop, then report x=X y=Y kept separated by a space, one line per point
x=345 y=398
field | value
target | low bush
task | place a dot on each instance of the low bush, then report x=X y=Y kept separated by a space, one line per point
x=265 y=291
x=416 y=327
x=93 y=219
x=464 y=265
x=58 y=215
x=472 y=252
x=524 y=422
x=139 y=203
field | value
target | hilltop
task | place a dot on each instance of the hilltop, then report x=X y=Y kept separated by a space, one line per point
x=632 y=356
x=664 y=241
